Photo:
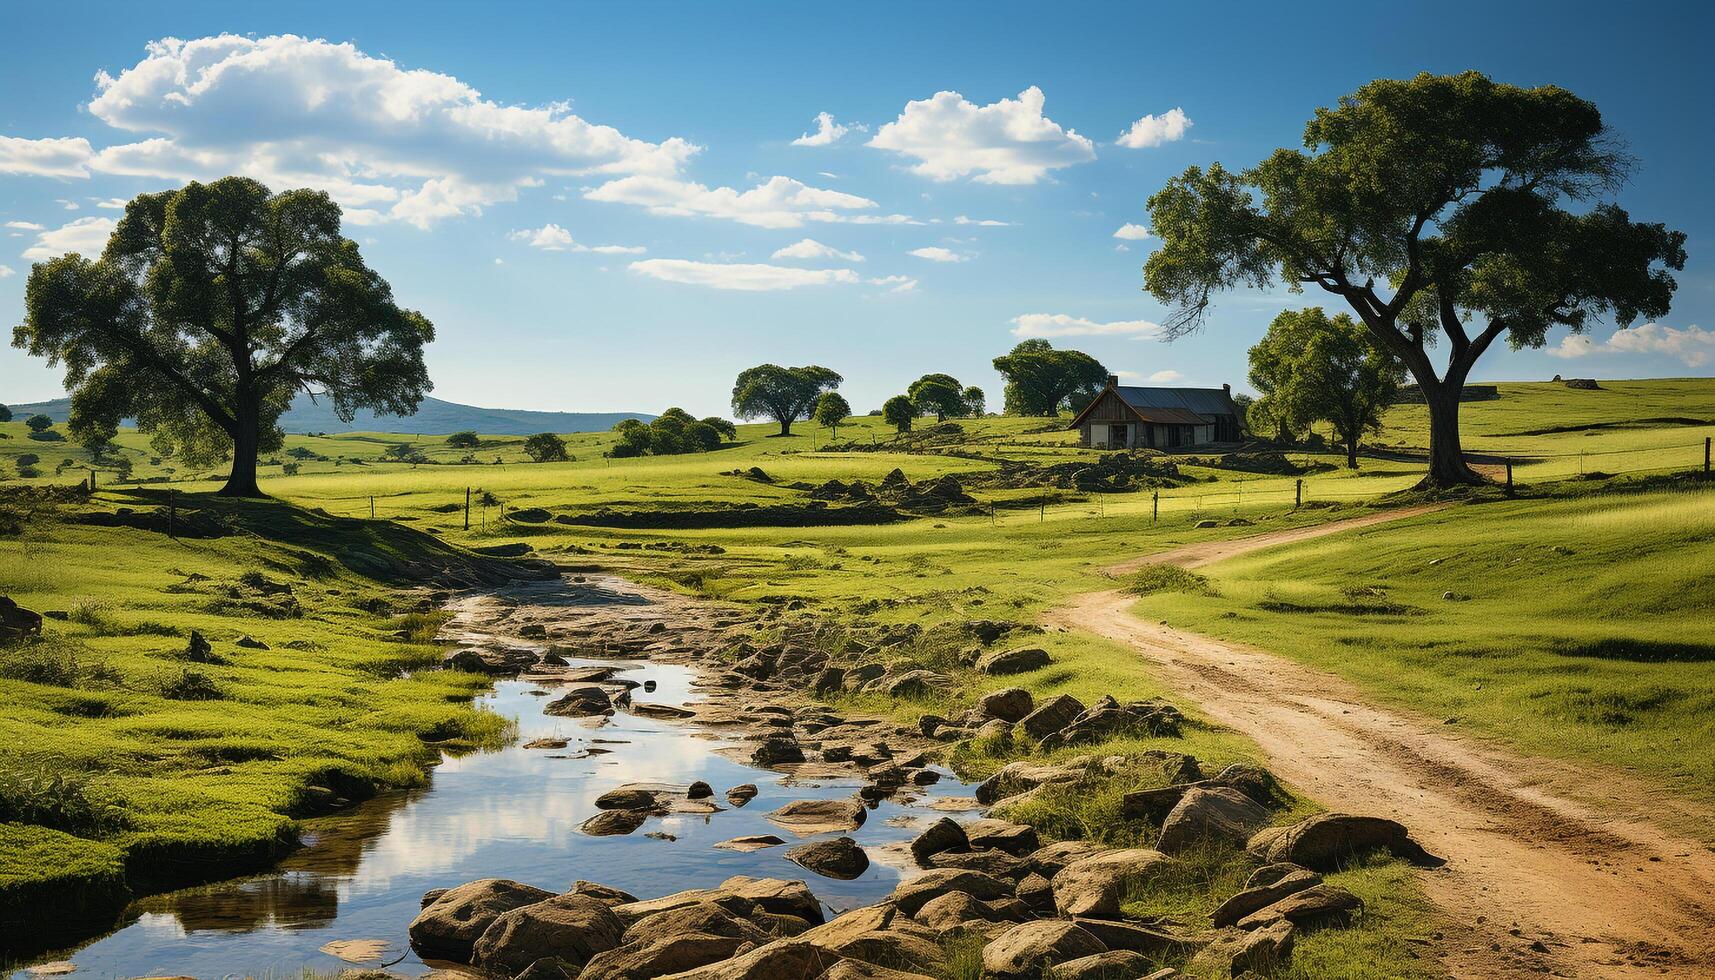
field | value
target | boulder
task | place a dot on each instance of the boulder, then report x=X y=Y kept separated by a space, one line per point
x=1036 y=893
x=706 y=918
x=1103 y=966
x=1017 y=661
x=741 y=794
x=546 y=968
x=1218 y=814
x=1327 y=840
x=602 y=893
x=810 y=817
x=915 y=684
x=579 y=703
x=249 y=642
x=625 y=798
x=699 y=790
x=859 y=970
x=674 y=954
x=952 y=908
x=1050 y=858
x=1308 y=909
x=1017 y=839
x=781 y=958
x=609 y=823
x=1252 y=780
x=16 y=622
x=748 y=843
x=840 y=858
x=1007 y=704
x=775 y=895
x=1149 y=940
x=449 y=926
x=1021 y=776
x=998 y=864
x=1096 y=885
x=1259 y=893
x=1024 y=950
x=570 y=927
x=777 y=750
x=1234 y=952
x=487 y=660
x=1051 y=716
x=914 y=893
x=995 y=730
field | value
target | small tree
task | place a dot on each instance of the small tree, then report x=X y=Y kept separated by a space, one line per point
x=975 y=401
x=939 y=395
x=723 y=426
x=1043 y=381
x=39 y=423
x=899 y=411
x=635 y=439
x=464 y=440
x=782 y=394
x=1319 y=369
x=831 y=410
x=545 y=447
x=5 y=414
x=210 y=307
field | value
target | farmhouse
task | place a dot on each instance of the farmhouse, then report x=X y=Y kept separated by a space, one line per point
x=1130 y=417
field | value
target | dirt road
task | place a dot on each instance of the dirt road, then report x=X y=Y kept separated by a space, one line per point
x=1551 y=867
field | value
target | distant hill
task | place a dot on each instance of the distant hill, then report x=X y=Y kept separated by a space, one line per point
x=434 y=418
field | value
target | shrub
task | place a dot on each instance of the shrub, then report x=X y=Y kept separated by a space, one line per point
x=191 y=685
x=1169 y=578
x=546 y=447
x=464 y=440
x=39 y=663
x=39 y=423
x=28 y=459
x=289 y=469
x=42 y=792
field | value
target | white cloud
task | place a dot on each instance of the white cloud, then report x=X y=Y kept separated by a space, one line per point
x=748 y=277
x=1062 y=325
x=981 y=222
x=779 y=202
x=411 y=145
x=1008 y=142
x=552 y=238
x=24 y=225
x=86 y=236
x=936 y=253
x=1156 y=130
x=900 y=284
x=6 y=272
x=828 y=132
x=1693 y=345
x=1166 y=377
x=1131 y=232
x=809 y=248
x=111 y=203
x=67 y=204
x=65 y=156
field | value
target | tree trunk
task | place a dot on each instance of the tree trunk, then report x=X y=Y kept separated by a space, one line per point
x=245 y=444
x=785 y=426
x=1446 y=458
x=1352 y=452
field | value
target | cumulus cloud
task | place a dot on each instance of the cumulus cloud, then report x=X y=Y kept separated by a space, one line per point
x=1062 y=325
x=64 y=156
x=1166 y=377
x=936 y=253
x=744 y=276
x=1693 y=345
x=552 y=238
x=6 y=272
x=899 y=284
x=779 y=202
x=86 y=236
x=1007 y=142
x=24 y=226
x=1156 y=130
x=981 y=222
x=828 y=132
x=1131 y=232
x=809 y=248
x=403 y=144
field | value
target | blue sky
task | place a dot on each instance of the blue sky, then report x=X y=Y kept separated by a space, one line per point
x=588 y=200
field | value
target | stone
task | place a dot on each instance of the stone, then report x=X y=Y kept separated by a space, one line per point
x=777 y=750
x=1104 y=966
x=1018 y=661
x=1234 y=952
x=859 y=970
x=16 y=622
x=430 y=896
x=1217 y=814
x=998 y=864
x=775 y=895
x=741 y=794
x=602 y=893
x=1152 y=941
x=249 y=642
x=1252 y=780
x=1096 y=885
x=1051 y=716
x=914 y=893
x=673 y=954
x=753 y=842
x=1326 y=840
x=1008 y=704
x=781 y=958
x=1050 y=858
x=571 y=927
x=448 y=927
x=952 y=908
x=1261 y=893
x=1017 y=839
x=809 y=817
x=1036 y=893
x=1018 y=777
x=1308 y=909
x=546 y=968
x=699 y=790
x=625 y=798
x=915 y=684
x=609 y=823
x=1024 y=950
x=703 y=918
x=994 y=730
x=579 y=703
x=944 y=834
x=840 y=858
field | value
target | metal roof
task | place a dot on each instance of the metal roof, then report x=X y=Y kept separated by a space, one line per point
x=1201 y=401
x=1171 y=416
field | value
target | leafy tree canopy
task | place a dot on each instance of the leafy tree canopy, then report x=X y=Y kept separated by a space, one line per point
x=831 y=409
x=5 y=414
x=1043 y=381
x=975 y=400
x=780 y=393
x=1440 y=206
x=545 y=447
x=939 y=395
x=39 y=423
x=464 y=440
x=210 y=306
x=899 y=412
x=1312 y=368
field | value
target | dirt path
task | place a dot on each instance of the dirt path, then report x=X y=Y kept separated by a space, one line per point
x=1552 y=867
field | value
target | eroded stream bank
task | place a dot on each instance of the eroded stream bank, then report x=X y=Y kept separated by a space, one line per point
x=348 y=895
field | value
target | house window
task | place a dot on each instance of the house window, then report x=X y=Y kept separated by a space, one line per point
x=1117 y=436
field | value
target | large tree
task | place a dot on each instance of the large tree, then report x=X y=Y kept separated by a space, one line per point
x=1311 y=367
x=1447 y=206
x=209 y=308
x=831 y=410
x=1042 y=381
x=939 y=395
x=780 y=393
x=899 y=411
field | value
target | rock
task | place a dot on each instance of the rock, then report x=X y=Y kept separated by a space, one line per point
x=1024 y=950
x=1036 y=893
x=16 y=622
x=1207 y=524
x=625 y=798
x=781 y=958
x=673 y=954
x=753 y=842
x=609 y=823
x=1261 y=893
x=944 y=911
x=571 y=927
x=1018 y=777
x=602 y=893
x=775 y=895
x=1326 y=840
x=994 y=730
x=1051 y=716
x=249 y=642
x=998 y=864
x=1254 y=781
x=862 y=674
x=449 y=927
x=580 y=702
x=197 y=648
x=776 y=750
x=741 y=794
x=914 y=893
x=1007 y=704
x=1014 y=838
x=1235 y=952
x=859 y=970
x=664 y=711
x=1017 y=661
x=1050 y=858
x=1218 y=814
x=1096 y=885
x=928 y=724
x=1104 y=966
x=546 y=968
x=503 y=661
x=1148 y=940
x=915 y=684
x=944 y=834
x=699 y=790
x=925 y=777
x=430 y=896
x=840 y=858
x=705 y=918
x=809 y=817
x=1308 y=909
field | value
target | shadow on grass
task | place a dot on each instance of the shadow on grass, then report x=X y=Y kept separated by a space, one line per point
x=1638 y=651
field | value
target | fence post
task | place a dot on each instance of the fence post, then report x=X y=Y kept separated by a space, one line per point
x=1298 y=500
x=1042 y=508
x=1706 y=441
x=172 y=506
x=1155 y=508
x=467 y=508
x=1509 y=477
x=372 y=507
x=92 y=479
